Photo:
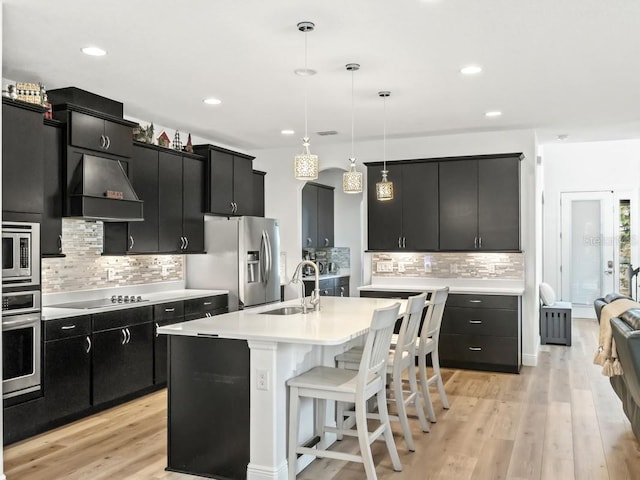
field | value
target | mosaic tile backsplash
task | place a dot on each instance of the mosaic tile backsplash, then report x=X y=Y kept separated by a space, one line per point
x=338 y=255
x=84 y=267
x=509 y=266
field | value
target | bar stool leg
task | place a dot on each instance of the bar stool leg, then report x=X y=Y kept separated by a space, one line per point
x=413 y=382
x=294 y=419
x=388 y=434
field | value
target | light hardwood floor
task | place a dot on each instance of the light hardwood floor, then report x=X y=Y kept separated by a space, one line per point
x=560 y=420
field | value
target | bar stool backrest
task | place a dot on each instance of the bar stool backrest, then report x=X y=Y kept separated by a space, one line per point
x=433 y=318
x=411 y=324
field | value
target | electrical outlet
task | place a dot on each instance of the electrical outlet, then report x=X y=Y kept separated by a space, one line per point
x=385 y=266
x=427 y=264
x=262 y=379
x=111 y=273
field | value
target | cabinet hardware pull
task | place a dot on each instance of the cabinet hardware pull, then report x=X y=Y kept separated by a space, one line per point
x=168 y=310
x=404 y=242
x=67 y=327
x=475 y=301
x=124 y=337
x=206 y=304
x=60 y=243
x=131 y=242
x=399 y=242
x=475 y=321
x=326 y=242
x=475 y=349
x=157 y=327
x=475 y=242
x=108 y=142
x=186 y=242
x=308 y=241
x=103 y=141
x=480 y=242
x=128 y=335
x=88 y=343
x=232 y=208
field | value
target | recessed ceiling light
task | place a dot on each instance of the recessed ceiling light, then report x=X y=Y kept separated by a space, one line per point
x=94 y=51
x=212 y=101
x=287 y=131
x=493 y=113
x=471 y=70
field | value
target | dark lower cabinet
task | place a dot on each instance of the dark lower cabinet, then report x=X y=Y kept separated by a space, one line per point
x=122 y=361
x=163 y=314
x=209 y=407
x=67 y=366
x=329 y=287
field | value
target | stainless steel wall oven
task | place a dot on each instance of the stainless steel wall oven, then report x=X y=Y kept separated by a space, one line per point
x=21 y=343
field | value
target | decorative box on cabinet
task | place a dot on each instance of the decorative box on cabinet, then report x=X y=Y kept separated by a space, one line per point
x=229 y=181
x=22 y=159
x=317 y=215
x=410 y=220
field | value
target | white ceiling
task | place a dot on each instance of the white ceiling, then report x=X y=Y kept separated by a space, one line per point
x=559 y=66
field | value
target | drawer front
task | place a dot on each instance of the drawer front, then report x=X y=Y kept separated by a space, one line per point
x=327 y=292
x=122 y=318
x=168 y=311
x=480 y=321
x=382 y=294
x=327 y=283
x=508 y=302
x=479 y=349
x=67 y=327
x=198 y=306
x=342 y=282
x=206 y=313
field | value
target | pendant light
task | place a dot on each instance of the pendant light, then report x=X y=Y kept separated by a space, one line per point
x=352 y=180
x=384 y=188
x=305 y=164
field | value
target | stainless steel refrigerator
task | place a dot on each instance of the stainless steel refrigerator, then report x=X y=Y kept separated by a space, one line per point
x=243 y=256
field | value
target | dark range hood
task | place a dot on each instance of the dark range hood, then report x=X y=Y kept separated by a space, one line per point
x=99 y=189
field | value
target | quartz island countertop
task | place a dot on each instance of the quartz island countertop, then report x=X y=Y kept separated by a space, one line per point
x=339 y=320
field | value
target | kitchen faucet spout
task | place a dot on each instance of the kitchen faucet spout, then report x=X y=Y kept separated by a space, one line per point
x=315 y=295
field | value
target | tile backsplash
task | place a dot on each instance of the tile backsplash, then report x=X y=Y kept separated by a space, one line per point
x=338 y=255
x=84 y=267
x=487 y=265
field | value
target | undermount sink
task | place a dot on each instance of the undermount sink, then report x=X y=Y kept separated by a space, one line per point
x=283 y=311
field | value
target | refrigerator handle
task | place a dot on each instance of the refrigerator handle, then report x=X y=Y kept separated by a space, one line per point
x=269 y=258
x=263 y=257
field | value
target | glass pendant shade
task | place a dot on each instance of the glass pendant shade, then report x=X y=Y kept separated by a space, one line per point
x=352 y=180
x=384 y=188
x=305 y=164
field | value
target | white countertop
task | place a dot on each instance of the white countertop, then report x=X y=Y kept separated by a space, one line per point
x=456 y=285
x=51 y=312
x=338 y=321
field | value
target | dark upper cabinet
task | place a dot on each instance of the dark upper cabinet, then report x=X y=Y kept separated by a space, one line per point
x=409 y=220
x=317 y=216
x=480 y=203
x=51 y=225
x=22 y=157
x=258 y=193
x=171 y=184
x=170 y=203
x=459 y=205
x=144 y=179
x=229 y=181
x=193 y=204
x=97 y=133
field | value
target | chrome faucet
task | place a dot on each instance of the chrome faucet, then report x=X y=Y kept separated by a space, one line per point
x=315 y=295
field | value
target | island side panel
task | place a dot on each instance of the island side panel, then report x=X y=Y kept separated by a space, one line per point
x=208 y=406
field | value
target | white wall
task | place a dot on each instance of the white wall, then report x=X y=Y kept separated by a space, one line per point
x=348 y=218
x=283 y=194
x=581 y=167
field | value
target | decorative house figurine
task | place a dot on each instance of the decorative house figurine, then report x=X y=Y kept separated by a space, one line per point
x=189 y=146
x=143 y=134
x=177 y=143
x=164 y=140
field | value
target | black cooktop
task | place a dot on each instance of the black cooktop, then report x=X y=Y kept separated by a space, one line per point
x=103 y=302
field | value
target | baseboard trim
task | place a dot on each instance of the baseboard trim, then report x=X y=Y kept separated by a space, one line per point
x=529 y=360
x=261 y=472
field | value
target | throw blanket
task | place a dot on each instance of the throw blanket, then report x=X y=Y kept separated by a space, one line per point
x=607 y=356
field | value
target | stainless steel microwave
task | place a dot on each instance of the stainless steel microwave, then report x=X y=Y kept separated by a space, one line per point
x=20 y=253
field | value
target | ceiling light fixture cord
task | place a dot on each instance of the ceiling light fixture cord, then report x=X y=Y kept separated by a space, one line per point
x=352 y=114
x=306 y=87
x=384 y=132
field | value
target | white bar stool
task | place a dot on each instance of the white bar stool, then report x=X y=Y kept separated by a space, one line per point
x=401 y=360
x=327 y=383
